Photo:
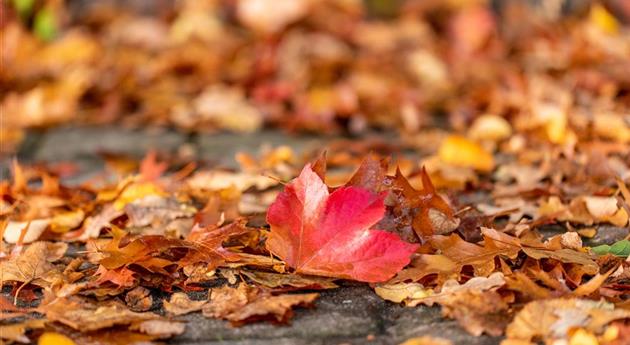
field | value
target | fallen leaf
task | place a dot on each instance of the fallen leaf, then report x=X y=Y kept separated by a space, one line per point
x=402 y=292
x=139 y=299
x=427 y=340
x=494 y=280
x=551 y=318
x=255 y=14
x=181 y=304
x=277 y=280
x=245 y=303
x=619 y=248
x=34 y=229
x=477 y=311
x=410 y=213
x=219 y=180
x=159 y=328
x=490 y=127
x=52 y=338
x=322 y=233
x=35 y=264
x=85 y=315
x=16 y=331
x=460 y=151
x=150 y=169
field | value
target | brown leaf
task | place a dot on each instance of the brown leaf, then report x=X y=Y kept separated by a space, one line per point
x=427 y=340
x=85 y=315
x=139 y=299
x=181 y=304
x=160 y=328
x=427 y=264
x=277 y=280
x=409 y=212
x=402 y=292
x=245 y=303
x=477 y=311
x=34 y=265
x=553 y=318
x=16 y=331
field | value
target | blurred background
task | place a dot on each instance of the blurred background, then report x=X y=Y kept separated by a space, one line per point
x=555 y=68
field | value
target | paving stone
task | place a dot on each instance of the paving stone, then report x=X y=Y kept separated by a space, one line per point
x=403 y=323
x=349 y=312
x=277 y=341
x=222 y=147
x=70 y=143
x=607 y=234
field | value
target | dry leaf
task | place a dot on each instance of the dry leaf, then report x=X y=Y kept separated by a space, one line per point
x=35 y=264
x=551 y=319
x=181 y=304
x=245 y=303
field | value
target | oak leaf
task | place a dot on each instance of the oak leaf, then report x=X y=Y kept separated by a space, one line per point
x=328 y=234
x=410 y=213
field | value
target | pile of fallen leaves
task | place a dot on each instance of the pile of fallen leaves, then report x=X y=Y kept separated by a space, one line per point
x=85 y=264
x=317 y=65
x=485 y=214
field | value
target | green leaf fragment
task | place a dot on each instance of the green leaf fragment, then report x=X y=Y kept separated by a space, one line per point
x=24 y=7
x=619 y=248
x=45 y=24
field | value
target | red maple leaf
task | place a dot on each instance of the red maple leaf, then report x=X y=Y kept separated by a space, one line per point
x=328 y=234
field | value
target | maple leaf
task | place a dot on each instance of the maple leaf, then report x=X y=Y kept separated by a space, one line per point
x=150 y=169
x=412 y=214
x=328 y=234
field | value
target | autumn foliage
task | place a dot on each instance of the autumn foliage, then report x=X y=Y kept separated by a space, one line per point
x=471 y=155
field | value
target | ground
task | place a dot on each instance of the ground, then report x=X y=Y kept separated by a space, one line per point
x=352 y=314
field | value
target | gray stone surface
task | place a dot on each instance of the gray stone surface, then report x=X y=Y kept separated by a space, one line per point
x=349 y=315
x=607 y=234
x=71 y=143
x=222 y=147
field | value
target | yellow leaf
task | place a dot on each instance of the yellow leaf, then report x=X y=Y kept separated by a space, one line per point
x=65 y=221
x=52 y=338
x=603 y=20
x=583 y=337
x=136 y=191
x=427 y=340
x=402 y=291
x=611 y=126
x=490 y=127
x=459 y=151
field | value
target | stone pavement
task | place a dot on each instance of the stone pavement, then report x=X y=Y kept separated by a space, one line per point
x=352 y=314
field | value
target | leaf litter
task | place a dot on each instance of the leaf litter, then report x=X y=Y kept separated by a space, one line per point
x=530 y=134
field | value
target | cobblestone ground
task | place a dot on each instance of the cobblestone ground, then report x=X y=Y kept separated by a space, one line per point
x=352 y=314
